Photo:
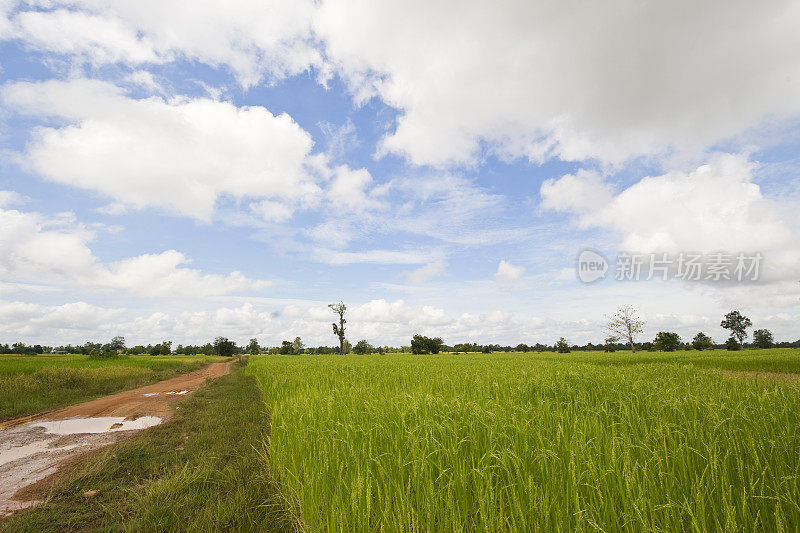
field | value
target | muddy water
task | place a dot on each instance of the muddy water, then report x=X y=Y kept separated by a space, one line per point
x=32 y=451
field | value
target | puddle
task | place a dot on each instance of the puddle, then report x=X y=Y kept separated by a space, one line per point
x=99 y=424
x=32 y=451
x=18 y=452
x=176 y=393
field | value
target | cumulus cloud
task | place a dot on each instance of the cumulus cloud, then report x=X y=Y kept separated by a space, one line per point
x=35 y=248
x=348 y=189
x=508 y=273
x=180 y=154
x=570 y=79
x=715 y=207
x=255 y=39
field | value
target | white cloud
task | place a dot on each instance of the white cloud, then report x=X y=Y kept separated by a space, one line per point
x=180 y=154
x=584 y=191
x=348 y=189
x=508 y=273
x=570 y=79
x=163 y=275
x=377 y=256
x=253 y=38
x=34 y=248
x=429 y=271
x=716 y=207
x=78 y=321
x=9 y=197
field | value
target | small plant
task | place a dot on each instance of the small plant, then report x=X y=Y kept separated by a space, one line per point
x=732 y=345
x=611 y=344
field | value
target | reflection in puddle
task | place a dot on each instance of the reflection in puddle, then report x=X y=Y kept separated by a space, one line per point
x=176 y=393
x=100 y=424
x=18 y=452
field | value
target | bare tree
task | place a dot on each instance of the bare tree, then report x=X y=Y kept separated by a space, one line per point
x=626 y=324
x=338 y=330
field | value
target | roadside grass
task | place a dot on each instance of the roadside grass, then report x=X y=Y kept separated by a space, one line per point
x=206 y=469
x=535 y=442
x=31 y=384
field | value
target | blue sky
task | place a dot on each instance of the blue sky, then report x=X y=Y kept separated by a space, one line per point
x=174 y=171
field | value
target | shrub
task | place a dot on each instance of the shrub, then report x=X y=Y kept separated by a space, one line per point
x=732 y=344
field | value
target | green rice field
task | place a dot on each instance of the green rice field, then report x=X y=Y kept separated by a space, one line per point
x=681 y=441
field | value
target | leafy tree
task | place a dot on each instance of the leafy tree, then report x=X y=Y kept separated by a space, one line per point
x=165 y=348
x=421 y=344
x=253 y=348
x=626 y=324
x=732 y=344
x=362 y=347
x=702 y=341
x=224 y=347
x=338 y=330
x=287 y=348
x=762 y=338
x=297 y=345
x=117 y=343
x=610 y=344
x=522 y=348
x=738 y=324
x=562 y=346
x=667 y=341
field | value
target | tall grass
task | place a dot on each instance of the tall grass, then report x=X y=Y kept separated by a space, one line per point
x=29 y=384
x=530 y=442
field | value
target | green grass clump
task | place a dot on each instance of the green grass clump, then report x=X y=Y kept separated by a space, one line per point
x=206 y=469
x=30 y=384
x=535 y=442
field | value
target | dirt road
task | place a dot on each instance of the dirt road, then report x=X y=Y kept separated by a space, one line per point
x=33 y=447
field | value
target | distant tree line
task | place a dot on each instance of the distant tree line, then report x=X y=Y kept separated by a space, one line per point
x=623 y=327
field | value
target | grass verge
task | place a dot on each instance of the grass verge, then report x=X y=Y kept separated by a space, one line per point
x=206 y=469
